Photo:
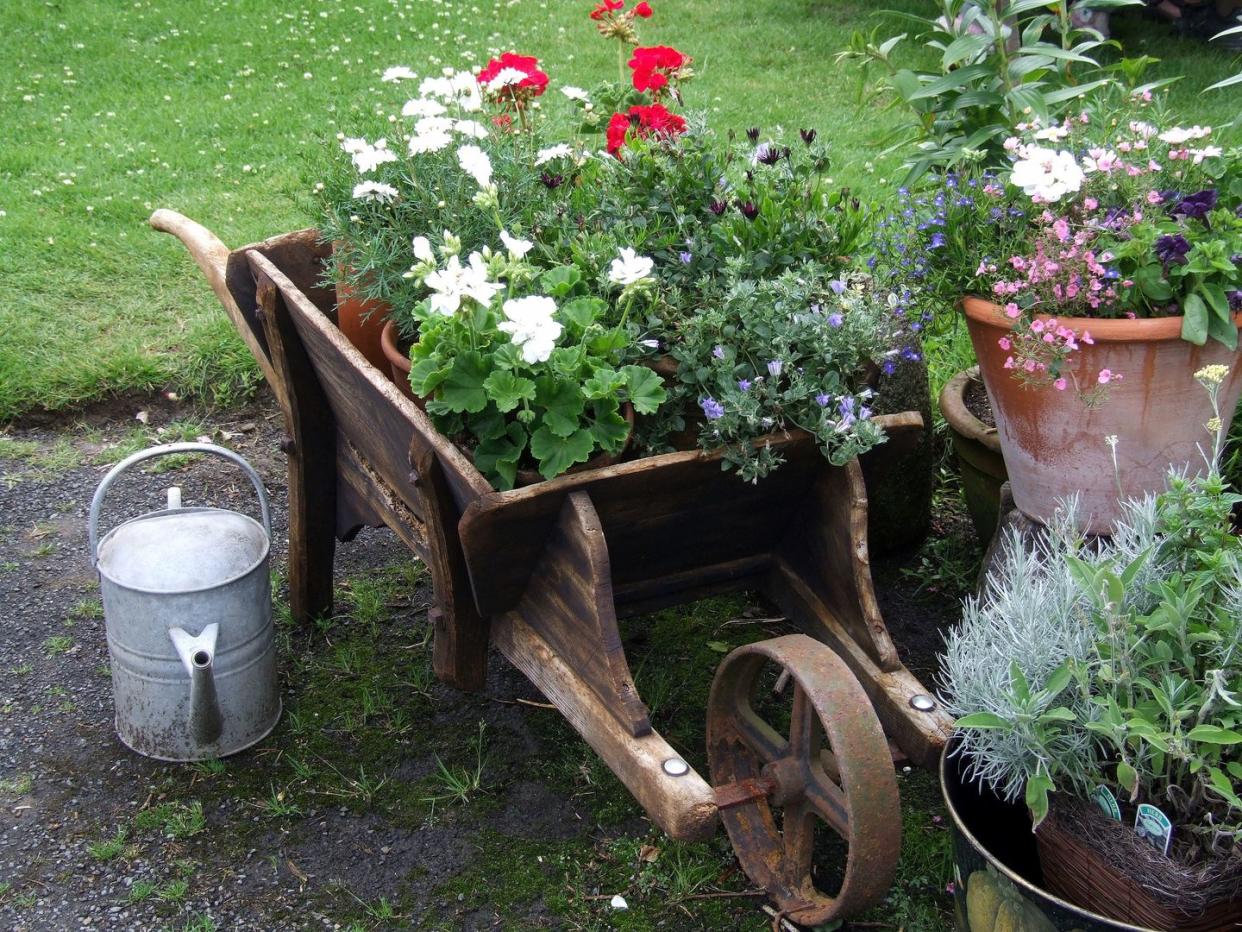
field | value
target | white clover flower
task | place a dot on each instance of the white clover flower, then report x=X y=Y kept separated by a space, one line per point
x=422 y=249
x=504 y=77
x=559 y=151
x=369 y=158
x=475 y=163
x=472 y=128
x=398 y=73
x=629 y=268
x=575 y=93
x=1046 y=174
x=432 y=142
x=531 y=325
x=1178 y=135
x=375 y=191
x=517 y=248
x=455 y=281
x=422 y=107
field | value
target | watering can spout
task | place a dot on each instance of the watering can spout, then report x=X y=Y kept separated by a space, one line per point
x=197 y=654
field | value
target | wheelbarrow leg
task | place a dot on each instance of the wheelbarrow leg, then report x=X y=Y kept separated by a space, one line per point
x=310 y=445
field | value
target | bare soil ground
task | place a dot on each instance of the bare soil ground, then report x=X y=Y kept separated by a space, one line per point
x=382 y=799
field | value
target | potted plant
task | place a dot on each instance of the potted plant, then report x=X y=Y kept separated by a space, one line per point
x=1110 y=255
x=542 y=278
x=1095 y=680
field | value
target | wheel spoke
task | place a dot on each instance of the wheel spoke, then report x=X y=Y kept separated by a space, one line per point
x=805 y=731
x=798 y=841
x=759 y=736
x=827 y=800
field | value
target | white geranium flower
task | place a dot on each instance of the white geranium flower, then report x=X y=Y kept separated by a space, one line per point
x=504 y=77
x=559 y=151
x=367 y=158
x=455 y=281
x=1178 y=135
x=422 y=107
x=475 y=163
x=431 y=142
x=398 y=73
x=375 y=191
x=422 y=249
x=629 y=268
x=1046 y=174
x=517 y=248
x=575 y=93
x=467 y=92
x=472 y=128
x=531 y=326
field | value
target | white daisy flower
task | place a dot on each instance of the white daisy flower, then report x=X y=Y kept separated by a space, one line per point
x=1046 y=174
x=504 y=77
x=375 y=191
x=432 y=142
x=430 y=125
x=422 y=249
x=398 y=73
x=371 y=157
x=575 y=93
x=422 y=107
x=559 y=151
x=476 y=164
x=467 y=92
x=472 y=128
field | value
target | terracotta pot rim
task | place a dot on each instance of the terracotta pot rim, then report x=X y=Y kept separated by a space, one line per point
x=959 y=417
x=1019 y=881
x=388 y=343
x=1123 y=330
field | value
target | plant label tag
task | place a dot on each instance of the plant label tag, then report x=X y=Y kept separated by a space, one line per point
x=1154 y=826
x=1103 y=797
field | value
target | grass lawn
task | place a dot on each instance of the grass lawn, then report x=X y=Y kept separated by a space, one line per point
x=207 y=106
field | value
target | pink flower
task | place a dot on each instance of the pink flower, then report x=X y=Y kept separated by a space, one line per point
x=1106 y=376
x=1012 y=310
x=1037 y=326
x=1029 y=365
x=1090 y=203
x=1005 y=343
x=1060 y=384
x=1153 y=197
x=950 y=888
x=1008 y=362
x=1086 y=337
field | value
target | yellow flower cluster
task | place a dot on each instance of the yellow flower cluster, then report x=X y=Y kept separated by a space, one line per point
x=1212 y=375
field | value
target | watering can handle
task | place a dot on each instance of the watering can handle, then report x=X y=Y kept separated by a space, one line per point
x=166 y=450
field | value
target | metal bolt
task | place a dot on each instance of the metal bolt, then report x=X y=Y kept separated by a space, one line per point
x=676 y=767
x=287 y=446
x=921 y=702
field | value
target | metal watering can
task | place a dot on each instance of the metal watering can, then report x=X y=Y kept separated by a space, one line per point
x=188 y=611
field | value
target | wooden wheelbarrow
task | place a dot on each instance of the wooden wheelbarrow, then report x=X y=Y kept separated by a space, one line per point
x=543 y=573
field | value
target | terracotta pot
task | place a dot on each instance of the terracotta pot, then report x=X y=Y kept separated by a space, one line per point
x=598 y=461
x=978 y=452
x=362 y=321
x=1054 y=445
x=397 y=363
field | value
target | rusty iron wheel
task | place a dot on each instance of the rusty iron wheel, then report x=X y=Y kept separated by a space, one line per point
x=834 y=766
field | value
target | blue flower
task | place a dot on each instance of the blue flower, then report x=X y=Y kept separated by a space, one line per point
x=911 y=354
x=822 y=399
x=837 y=286
x=836 y=319
x=888 y=367
x=937 y=241
x=685 y=257
x=712 y=409
x=774 y=367
x=718 y=352
x=743 y=385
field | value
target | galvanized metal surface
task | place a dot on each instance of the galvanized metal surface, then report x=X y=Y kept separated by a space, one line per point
x=187 y=609
x=834 y=766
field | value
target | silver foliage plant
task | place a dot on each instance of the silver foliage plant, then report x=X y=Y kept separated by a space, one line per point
x=1012 y=654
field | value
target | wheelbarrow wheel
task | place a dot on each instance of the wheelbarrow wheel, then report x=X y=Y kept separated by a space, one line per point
x=832 y=765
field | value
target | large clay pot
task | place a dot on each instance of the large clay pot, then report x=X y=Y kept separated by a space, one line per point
x=397 y=363
x=362 y=321
x=978 y=452
x=1054 y=444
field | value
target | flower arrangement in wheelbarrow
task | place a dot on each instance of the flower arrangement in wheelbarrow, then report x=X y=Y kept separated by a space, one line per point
x=569 y=264
x=1101 y=268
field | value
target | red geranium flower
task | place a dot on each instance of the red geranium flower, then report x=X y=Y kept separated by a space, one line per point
x=604 y=7
x=640 y=121
x=643 y=9
x=533 y=84
x=654 y=65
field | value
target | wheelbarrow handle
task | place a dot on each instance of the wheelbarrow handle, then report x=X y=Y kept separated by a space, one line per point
x=166 y=450
x=206 y=248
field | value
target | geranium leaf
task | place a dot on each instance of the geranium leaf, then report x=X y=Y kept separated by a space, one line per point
x=608 y=426
x=488 y=425
x=556 y=454
x=605 y=383
x=426 y=375
x=463 y=389
x=582 y=312
x=644 y=388
x=498 y=458
x=508 y=390
x=563 y=404
x=560 y=281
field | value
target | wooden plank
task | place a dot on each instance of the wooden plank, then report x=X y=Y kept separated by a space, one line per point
x=666 y=516
x=300 y=257
x=569 y=604
x=684 y=807
x=310 y=445
x=376 y=416
x=649 y=595
x=827 y=548
x=459 y=652
x=920 y=735
x=372 y=502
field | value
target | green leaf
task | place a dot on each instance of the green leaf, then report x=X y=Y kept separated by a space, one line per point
x=1059 y=679
x=1220 y=324
x=556 y=454
x=1037 y=789
x=1021 y=688
x=508 y=390
x=1127 y=778
x=961 y=48
x=582 y=312
x=982 y=721
x=644 y=389
x=498 y=458
x=563 y=404
x=1195 y=321
x=1059 y=714
x=719 y=647
x=488 y=425
x=952 y=81
x=1150 y=281
x=608 y=427
x=560 y=281
x=426 y=376
x=463 y=390
x=1214 y=734
x=605 y=383
x=1078 y=90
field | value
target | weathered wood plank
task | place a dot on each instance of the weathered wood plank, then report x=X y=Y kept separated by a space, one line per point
x=310 y=445
x=827 y=547
x=372 y=503
x=684 y=807
x=377 y=417
x=569 y=604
